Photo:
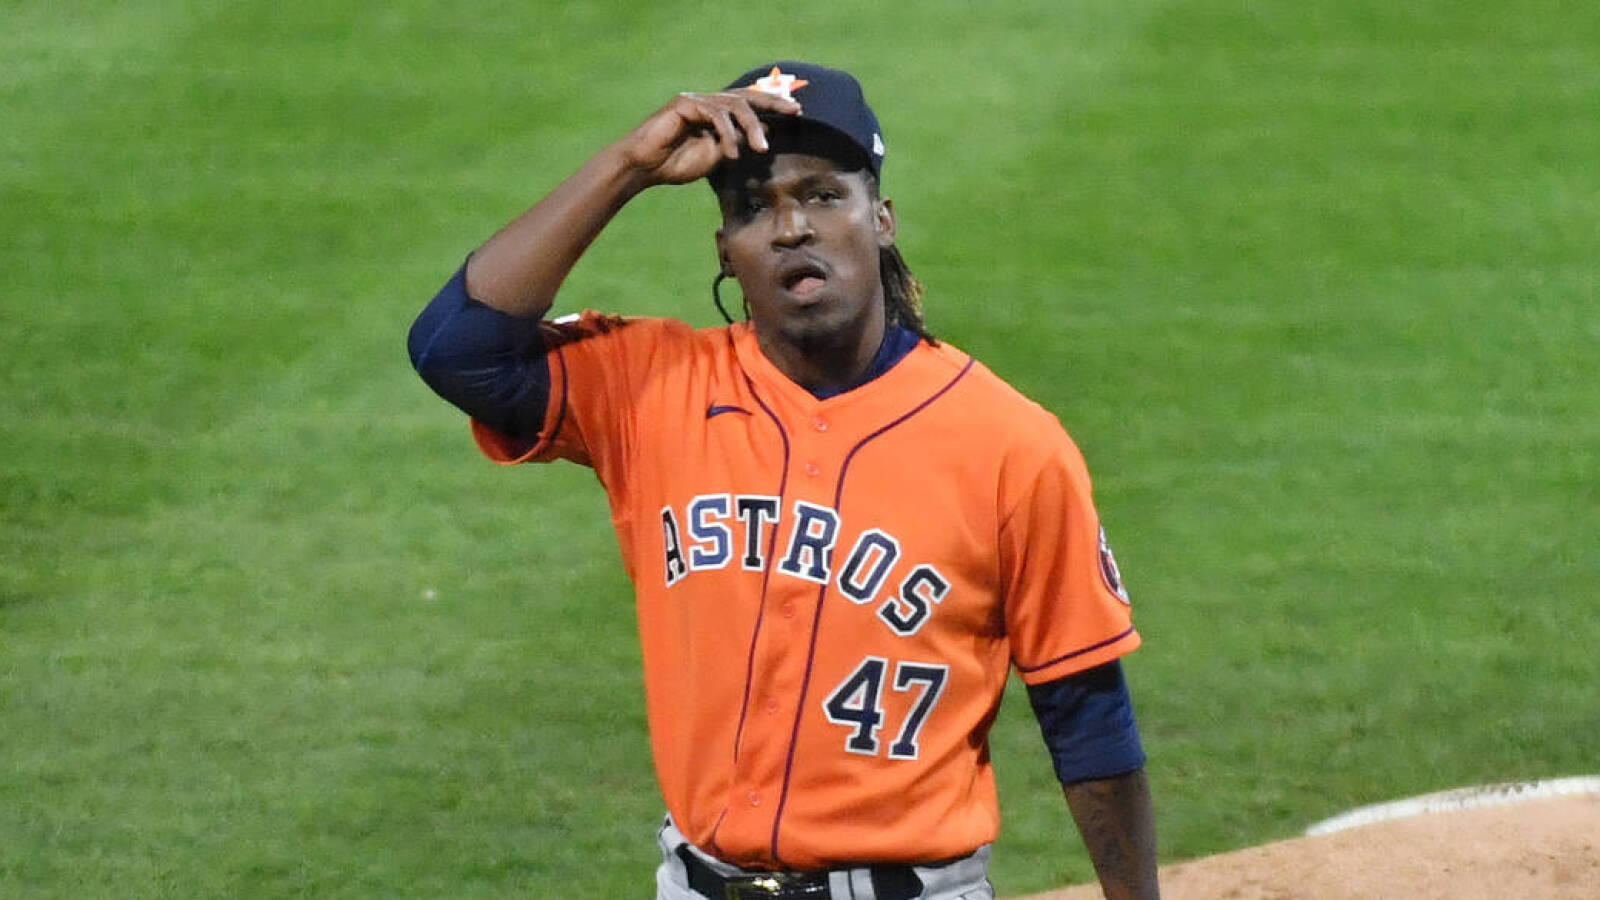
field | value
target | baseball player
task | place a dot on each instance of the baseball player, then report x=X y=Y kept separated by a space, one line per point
x=842 y=532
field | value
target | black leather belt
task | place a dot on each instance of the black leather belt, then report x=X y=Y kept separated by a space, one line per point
x=888 y=883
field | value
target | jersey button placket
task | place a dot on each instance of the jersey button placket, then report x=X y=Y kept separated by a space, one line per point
x=779 y=666
x=781 y=653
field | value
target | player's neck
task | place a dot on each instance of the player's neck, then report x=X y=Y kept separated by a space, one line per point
x=827 y=362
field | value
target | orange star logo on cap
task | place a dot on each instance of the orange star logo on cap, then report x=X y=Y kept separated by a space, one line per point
x=778 y=84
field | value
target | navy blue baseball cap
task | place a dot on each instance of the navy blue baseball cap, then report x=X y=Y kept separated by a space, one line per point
x=828 y=97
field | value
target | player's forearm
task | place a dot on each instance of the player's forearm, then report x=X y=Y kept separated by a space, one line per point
x=1117 y=821
x=519 y=270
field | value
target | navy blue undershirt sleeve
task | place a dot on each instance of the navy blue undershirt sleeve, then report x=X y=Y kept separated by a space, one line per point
x=489 y=364
x=1088 y=725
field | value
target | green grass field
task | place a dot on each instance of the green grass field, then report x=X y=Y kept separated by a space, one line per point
x=1316 y=286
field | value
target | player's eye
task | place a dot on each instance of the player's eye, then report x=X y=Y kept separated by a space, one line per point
x=826 y=195
x=753 y=204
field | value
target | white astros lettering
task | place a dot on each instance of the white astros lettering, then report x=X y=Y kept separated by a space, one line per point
x=716 y=528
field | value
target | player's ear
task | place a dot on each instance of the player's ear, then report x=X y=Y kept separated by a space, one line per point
x=885 y=222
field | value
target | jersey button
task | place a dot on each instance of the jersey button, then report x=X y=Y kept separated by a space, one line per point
x=755 y=799
x=819 y=423
x=772 y=707
x=788 y=610
x=813 y=469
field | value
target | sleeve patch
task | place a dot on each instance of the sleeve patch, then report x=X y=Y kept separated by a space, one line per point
x=1109 y=570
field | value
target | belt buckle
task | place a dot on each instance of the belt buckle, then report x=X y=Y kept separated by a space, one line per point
x=753 y=888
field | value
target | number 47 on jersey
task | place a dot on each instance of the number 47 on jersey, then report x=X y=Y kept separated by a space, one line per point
x=858 y=703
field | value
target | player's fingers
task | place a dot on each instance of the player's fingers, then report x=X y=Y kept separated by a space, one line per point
x=709 y=112
x=765 y=102
x=755 y=131
x=728 y=136
x=742 y=107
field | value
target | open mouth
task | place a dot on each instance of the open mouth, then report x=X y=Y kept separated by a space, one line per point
x=803 y=279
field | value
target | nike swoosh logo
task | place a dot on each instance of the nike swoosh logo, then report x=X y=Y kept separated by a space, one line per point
x=715 y=410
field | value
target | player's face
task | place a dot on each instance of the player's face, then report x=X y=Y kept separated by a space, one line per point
x=802 y=235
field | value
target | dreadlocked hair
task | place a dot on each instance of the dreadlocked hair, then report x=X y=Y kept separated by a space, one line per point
x=902 y=293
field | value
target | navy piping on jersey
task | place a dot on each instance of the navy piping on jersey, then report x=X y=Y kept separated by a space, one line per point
x=761 y=607
x=822 y=592
x=561 y=417
x=897 y=343
x=1076 y=653
x=766 y=576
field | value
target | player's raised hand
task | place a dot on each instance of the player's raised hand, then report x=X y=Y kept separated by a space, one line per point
x=519 y=269
x=694 y=133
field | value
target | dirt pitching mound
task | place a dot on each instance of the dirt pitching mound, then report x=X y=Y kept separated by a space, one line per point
x=1533 y=849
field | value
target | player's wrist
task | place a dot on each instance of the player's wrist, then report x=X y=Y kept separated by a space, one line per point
x=619 y=166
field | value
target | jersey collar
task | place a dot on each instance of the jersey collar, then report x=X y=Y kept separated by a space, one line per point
x=902 y=367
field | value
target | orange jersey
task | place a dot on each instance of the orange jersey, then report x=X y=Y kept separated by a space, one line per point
x=830 y=593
